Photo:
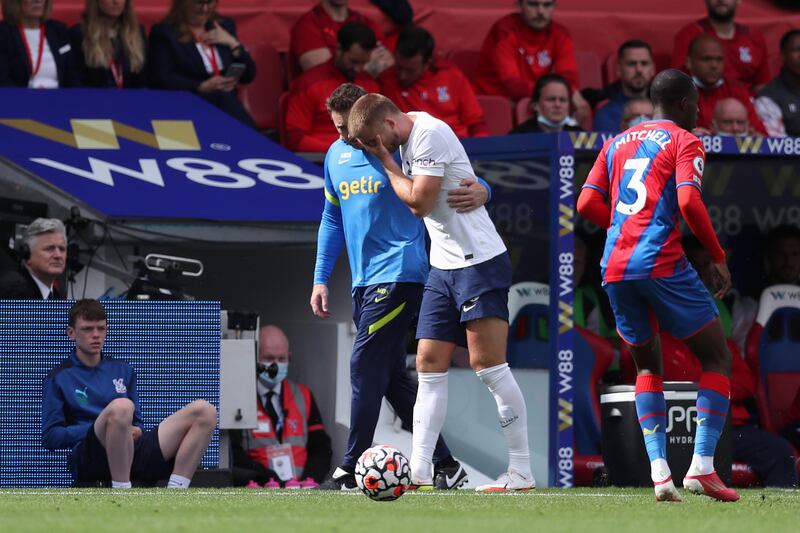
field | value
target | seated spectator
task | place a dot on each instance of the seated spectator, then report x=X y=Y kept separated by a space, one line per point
x=778 y=104
x=705 y=64
x=109 y=46
x=90 y=405
x=635 y=111
x=744 y=48
x=289 y=423
x=43 y=256
x=768 y=454
x=193 y=50
x=783 y=256
x=308 y=124
x=35 y=50
x=730 y=119
x=420 y=82
x=312 y=39
x=550 y=104
x=636 y=70
x=737 y=312
x=521 y=48
x=591 y=307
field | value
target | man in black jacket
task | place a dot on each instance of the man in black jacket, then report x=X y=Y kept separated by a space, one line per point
x=43 y=257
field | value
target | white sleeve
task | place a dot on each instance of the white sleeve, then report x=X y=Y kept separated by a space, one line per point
x=770 y=114
x=431 y=154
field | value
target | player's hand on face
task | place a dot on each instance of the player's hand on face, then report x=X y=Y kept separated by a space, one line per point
x=724 y=279
x=471 y=195
x=319 y=301
x=136 y=432
x=375 y=147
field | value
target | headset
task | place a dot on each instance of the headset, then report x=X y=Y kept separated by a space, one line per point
x=24 y=251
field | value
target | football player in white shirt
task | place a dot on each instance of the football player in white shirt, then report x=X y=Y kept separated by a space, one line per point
x=465 y=301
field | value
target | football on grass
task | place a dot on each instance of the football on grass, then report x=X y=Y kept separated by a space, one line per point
x=383 y=473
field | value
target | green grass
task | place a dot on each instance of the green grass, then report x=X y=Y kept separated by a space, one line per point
x=246 y=511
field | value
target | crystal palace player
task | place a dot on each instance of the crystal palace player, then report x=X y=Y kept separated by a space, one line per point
x=642 y=178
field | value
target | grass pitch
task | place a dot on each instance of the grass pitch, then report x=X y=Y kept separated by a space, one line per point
x=243 y=511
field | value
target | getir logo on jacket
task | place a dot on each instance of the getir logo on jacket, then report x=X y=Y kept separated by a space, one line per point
x=363 y=186
x=104 y=134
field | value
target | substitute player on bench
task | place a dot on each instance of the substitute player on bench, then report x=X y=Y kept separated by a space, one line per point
x=641 y=181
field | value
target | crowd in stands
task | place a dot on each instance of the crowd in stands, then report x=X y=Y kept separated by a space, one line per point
x=196 y=49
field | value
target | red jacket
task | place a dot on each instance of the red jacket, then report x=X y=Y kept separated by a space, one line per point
x=444 y=92
x=316 y=29
x=745 y=54
x=680 y=364
x=710 y=97
x=514 y=56
x=308 y=125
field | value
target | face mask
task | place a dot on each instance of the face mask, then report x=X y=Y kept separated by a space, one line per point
x=550 y=124
x=271 y=383
x=635 y=121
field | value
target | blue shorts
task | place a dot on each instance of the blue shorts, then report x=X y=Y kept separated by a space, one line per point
x=90 y=461
x=454 y=297
x=680 y=304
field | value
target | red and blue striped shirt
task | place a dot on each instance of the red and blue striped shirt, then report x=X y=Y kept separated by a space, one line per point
x=639 y=171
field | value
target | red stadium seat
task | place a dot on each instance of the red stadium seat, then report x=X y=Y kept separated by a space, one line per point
x=261 y=96
x=466 y=60
x=589 y=72
x=283 y=103
x=497 y=109
x=772 y=351
x=522 y=110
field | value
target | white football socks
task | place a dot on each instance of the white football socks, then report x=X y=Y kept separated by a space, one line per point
x=178 y=482
x=430 y=411
x=513 y=415
x=120 y=484
x=659 y=471
x=701 y=465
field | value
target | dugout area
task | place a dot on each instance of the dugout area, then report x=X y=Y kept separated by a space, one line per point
x=750 y=185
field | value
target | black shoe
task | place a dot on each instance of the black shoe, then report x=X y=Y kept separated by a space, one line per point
x=449 y=475
x=341 y=479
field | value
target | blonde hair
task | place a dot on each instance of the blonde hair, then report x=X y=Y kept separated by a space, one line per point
x=97 y=46
x=12 y=11
x=368 y=112
x=178 y=17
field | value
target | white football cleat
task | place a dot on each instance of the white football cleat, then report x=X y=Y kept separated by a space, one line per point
x=666 y=491
x=509 y=482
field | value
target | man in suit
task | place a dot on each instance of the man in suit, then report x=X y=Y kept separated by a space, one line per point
x=44 y=256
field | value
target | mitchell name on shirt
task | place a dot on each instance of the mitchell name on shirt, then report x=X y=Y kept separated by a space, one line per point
x=660 y=137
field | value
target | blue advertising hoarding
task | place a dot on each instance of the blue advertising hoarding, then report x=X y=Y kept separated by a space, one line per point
x=155 y=154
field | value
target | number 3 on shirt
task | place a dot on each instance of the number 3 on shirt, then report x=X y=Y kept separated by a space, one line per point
x=638 y=165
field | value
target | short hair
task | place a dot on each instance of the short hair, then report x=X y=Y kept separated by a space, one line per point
x=633 y=43
x=415 y=40
x=356 y=33
x=87 y=309
x=369 y=111
x=12 y=11
x=782 y=233
x=787 y=37
x=40 y=226
x=700 y=39
x=546 y=80
x=343 y=97
x=670 y=86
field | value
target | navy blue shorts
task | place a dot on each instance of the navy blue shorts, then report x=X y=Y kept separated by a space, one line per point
x=149 y=465
x=454 y=297
x=680 y=304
